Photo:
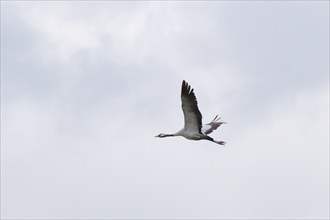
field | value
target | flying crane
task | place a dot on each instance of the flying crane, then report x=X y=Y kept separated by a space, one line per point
x=193 y=128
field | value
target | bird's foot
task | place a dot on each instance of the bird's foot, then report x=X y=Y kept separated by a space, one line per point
x=220 y=142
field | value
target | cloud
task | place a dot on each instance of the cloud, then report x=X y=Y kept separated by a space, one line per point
x=86 y=86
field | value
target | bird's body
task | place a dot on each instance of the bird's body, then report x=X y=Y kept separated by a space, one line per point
x=190 y=135
x=193 y=128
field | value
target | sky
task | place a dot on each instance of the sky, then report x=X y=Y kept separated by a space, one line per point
x=85 y=87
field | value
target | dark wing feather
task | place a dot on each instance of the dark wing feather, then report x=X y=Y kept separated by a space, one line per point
x=192 y=115
x=213 y=125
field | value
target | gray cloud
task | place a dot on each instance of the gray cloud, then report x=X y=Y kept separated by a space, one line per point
x=86 y=86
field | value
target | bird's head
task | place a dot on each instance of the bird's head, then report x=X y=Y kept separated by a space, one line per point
x=161 y=135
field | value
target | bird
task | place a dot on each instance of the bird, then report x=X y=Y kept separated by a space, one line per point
x=193 y=128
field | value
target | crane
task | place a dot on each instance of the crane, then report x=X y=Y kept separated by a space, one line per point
x=193 y=128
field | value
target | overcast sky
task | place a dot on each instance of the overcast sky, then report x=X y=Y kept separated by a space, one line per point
x=85 y=87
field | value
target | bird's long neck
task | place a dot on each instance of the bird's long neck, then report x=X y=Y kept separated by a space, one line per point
x=169 y=135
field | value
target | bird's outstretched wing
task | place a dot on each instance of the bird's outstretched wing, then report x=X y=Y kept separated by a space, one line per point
x=213 y=125
x=192 y=115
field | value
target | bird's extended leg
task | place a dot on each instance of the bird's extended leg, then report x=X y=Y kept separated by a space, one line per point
x=220 y=142
x=211 y=139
